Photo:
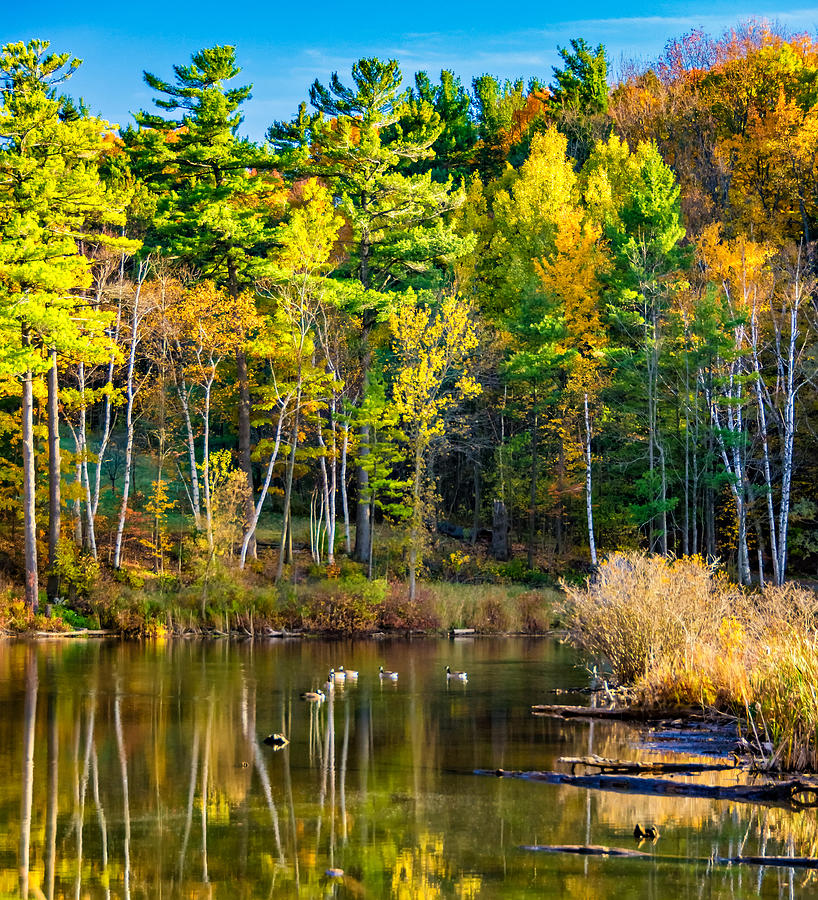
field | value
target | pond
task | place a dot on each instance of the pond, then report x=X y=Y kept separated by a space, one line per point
x=138 y=770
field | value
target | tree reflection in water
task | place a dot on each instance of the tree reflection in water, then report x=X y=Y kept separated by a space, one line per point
x=131 y=755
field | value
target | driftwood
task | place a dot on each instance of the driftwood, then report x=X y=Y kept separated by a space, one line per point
x=790 y=862
x=793 y=794
x=626 y=713
x=622 y=767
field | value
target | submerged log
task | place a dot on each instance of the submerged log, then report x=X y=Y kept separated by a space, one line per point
x=623 y=767
x=622 y=713
x=792 y=794
x=790 y=862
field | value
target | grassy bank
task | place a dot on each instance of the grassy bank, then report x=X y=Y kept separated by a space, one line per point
x=680 y=633
x=139 y=604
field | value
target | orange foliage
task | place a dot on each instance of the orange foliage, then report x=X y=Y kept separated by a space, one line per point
x=535 y=107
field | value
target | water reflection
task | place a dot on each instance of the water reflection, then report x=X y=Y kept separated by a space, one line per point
x=139 y=771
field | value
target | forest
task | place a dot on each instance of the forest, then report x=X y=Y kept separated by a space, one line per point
x=424 y=331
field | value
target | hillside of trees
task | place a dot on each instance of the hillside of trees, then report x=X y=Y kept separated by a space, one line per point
x=535 y=322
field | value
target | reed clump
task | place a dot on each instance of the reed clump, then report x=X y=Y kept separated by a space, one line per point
x=680 y=633
x=785 y=707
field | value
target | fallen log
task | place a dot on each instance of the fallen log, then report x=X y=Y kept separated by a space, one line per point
x=80 y=632
x=789 y=862
x=621 y=713
x=623 y=767
x=585 y=850
x=792 y=794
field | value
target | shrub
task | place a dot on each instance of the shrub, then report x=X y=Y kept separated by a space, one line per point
x=345 y=605
x=16 y=616
x=77 y=572
x=400 y=613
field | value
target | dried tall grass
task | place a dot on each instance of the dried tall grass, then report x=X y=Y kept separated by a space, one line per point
x=680 y=633
x=639 y=610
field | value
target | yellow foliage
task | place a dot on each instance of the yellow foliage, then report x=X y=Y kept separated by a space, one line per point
x=431 y=345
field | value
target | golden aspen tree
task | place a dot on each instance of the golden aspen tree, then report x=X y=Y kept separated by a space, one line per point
x=572 y=276
x=431 y=347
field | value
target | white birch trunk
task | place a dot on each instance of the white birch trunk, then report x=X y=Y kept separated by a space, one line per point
x=83 y=435
x=589 y=508
x=251 y=531
x=788 y=418
x=129 y=410
x=183 y=393
x=343 y=485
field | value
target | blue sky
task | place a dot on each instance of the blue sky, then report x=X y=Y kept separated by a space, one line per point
x=282 y=47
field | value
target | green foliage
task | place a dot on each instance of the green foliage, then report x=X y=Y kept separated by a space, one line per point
x=386 y=449
x=51 y=196
x=77 y=572
x=210 y=204
x=582 y=83
x=454 y=147
x=74 y=619
x=360 y=140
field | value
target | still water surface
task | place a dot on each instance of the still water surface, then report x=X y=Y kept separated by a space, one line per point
x=137 y=770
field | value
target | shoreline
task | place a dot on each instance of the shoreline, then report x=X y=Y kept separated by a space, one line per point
x=187 y=634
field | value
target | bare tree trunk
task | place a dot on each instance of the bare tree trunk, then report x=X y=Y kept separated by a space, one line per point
x=532 y=502
x=328 y=495
x=651 y=386
x=733 y=458
x=686 y=523
x=417 y=521
x=363 y=518
x=694 y=537
x=768 y=482
x=332 y=494
x=54 y=479
x=206 y=469
x=245 y=458
x=788 y=422
x=478 y=480
x=108 y=419
x=29 y=512
x=663 y=495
